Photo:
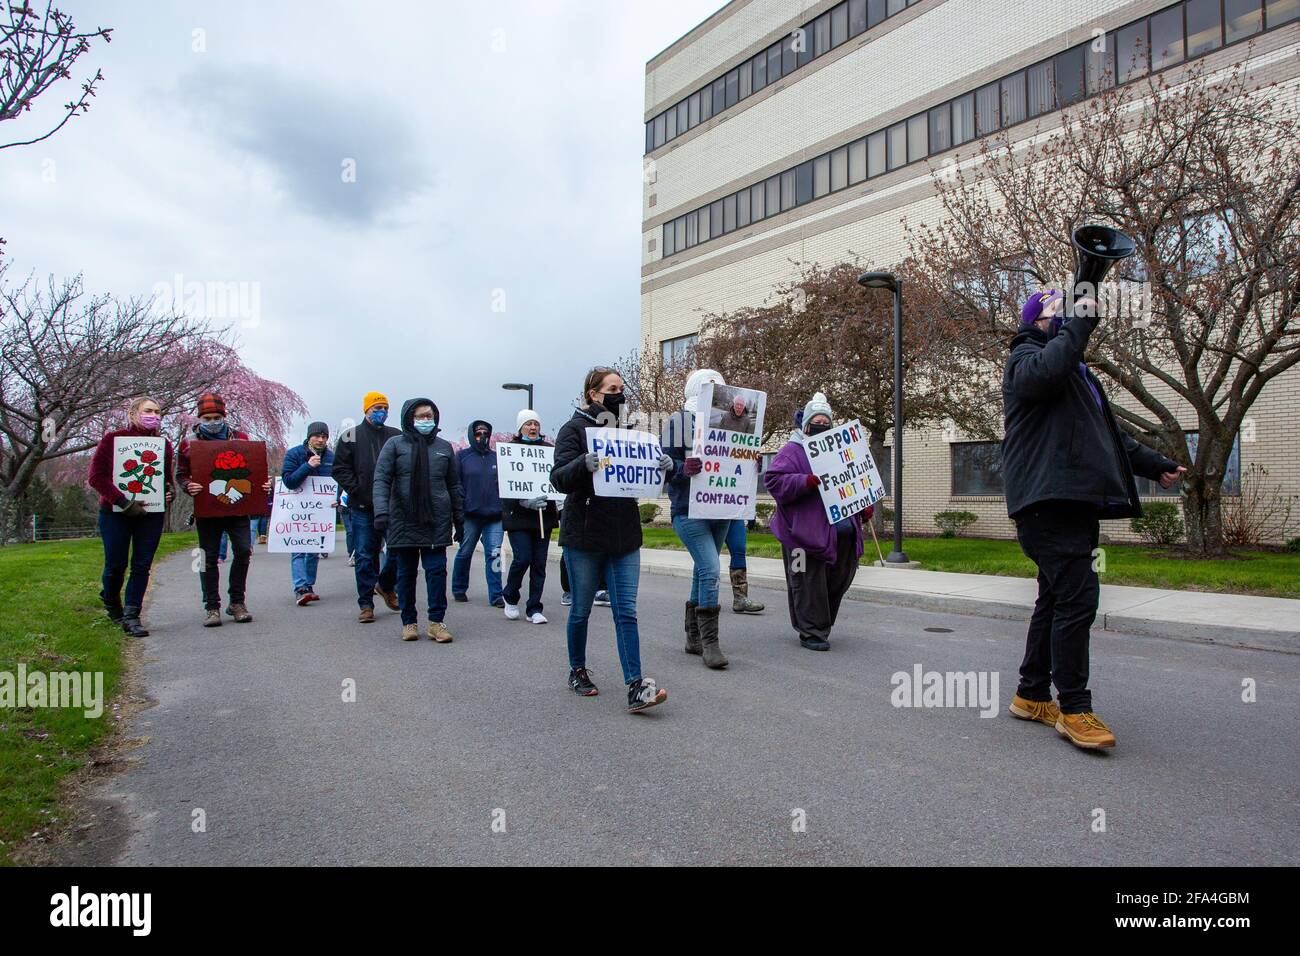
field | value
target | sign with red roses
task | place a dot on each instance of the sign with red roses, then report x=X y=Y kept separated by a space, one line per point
x=232 y=474
x=138 y=471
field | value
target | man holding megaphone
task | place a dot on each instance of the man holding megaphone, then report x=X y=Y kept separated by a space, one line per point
x=1066 y=465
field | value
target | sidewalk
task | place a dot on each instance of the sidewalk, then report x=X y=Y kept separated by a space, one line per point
x=1262 y=623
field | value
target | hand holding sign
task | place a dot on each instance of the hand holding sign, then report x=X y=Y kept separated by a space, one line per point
x=842 y=465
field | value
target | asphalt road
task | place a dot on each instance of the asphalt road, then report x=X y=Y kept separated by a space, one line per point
x=443 y=741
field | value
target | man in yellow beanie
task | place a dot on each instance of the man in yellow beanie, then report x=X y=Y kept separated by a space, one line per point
x=354 y=469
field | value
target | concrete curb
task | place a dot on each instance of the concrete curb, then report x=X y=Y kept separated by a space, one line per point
x=1127 y=622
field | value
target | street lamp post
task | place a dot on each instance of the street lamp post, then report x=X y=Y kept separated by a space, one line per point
x=887 y=280
x=521 y=387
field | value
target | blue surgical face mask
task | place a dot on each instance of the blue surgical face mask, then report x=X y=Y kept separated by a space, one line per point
x=213 y=428
x=377 y=416
x=425 y=426
x=526 y=438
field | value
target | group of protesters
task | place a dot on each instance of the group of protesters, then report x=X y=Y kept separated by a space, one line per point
x=410 y=495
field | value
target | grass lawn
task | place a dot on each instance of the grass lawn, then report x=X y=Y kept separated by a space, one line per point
x=1249 y=572
x=51 y=619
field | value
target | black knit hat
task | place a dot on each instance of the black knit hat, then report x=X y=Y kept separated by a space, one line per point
x=318 y=428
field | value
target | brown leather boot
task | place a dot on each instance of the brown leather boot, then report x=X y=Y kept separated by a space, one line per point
x=707 y=617
x=367 y=616
x=212 y=617
x=390 y=598
x=692 y=630
x=239 y=613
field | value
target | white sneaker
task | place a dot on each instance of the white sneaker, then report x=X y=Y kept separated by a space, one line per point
x=512 y=612
x=537 y=618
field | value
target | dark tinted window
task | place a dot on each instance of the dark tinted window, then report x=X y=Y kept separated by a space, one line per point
x=803 y=183
x=857 y=16
x=1132 y=53
x=1281 y=11
x=941 y=128
x=1167 y=38
x=839 y=24
x=733 y=87
x=1204 y=26
x=875 y=12
x=976 y=468
x=760 y=71
x=1241 y=18
x=1069 y=74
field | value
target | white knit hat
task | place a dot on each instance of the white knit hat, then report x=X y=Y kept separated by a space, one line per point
x=696 y=381
x=527 y=415
x=818 y=406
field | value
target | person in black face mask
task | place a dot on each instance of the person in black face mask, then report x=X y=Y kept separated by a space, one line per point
x=482 y=505
x=598 y=534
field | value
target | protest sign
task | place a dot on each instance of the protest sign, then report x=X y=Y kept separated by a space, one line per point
x=232 y=474
x=629 y=463
x=303 y=520
x=728 y=440
x=841 y=458
x=524 y=470
x=138 y=471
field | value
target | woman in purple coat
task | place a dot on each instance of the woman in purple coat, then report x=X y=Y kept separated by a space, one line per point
x=820 y=558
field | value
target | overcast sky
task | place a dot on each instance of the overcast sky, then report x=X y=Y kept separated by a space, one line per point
x=491 y=233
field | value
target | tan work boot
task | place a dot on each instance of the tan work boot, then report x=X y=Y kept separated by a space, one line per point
x=437 y=631
x=1043 y=711
x=212 y=617
x=390 y=598
x=410 y=632
x=367 y=616
x=1085 y=730
x=239 y=613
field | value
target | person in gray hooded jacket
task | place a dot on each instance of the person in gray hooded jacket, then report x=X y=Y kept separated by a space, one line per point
x=418 y=506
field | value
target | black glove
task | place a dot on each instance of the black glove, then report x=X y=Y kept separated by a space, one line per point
x=459 y=535
x=134 y=510
x=381 y=523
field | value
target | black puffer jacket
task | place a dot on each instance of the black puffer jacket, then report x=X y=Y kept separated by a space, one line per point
x=1059 y=445
x=588 y=522
x=392 y=488
x=355 y=456
x=515 y=517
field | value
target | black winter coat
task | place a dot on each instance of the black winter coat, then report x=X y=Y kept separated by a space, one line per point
x=1058 y=445
x=355 y=456
x=588 y=522
x=515 y=517
x=392 y=492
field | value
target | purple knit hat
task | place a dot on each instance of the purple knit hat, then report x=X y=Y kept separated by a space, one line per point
x=1033 y=309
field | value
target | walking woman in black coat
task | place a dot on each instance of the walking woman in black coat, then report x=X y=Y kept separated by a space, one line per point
x=599 y=533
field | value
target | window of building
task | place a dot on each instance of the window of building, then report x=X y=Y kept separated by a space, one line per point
x=976 y=468
x=857 y=17
x=706 y=231
x=897 y=145
x=719 y=94
x=1204 y=26
x=742 y=209
x=1013 y=99
x=839 y=169
x=806 y=54
x=1070 y=83
x=758 y=202
x=675 y=351
x=1100 y=67
x=773 y=190
x=1231 y=479
x=746 y=73
x=875 y=12
x=671 y=117
x=789 y=58
x=917 y=139
x=729 y=213
x=803 y=183
x=715 y=219
x=895 y=6
x=1132 y=51
x=732 y=88
x=1241 y=19
x=1279 y=12
x=857 y=161
x=821 y=34
x=787 y=190
x=661 y=124
x=670 y=239
x=821 y=176
x=876 y=153
x=692 y=229
x=839 y=24
x=680 y=240
x=706 y=103
x=1167 y=38
x=963 y=119
x=759 y=69
x=940 y=124
x=774 y=63
x=1042 y=89
x=988 y=115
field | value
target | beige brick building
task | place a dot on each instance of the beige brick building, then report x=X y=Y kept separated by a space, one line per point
x=782 y=131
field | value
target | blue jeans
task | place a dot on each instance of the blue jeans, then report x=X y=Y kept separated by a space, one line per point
x=622 y=574
x=130 y=541
x=303 y=567
x=703 y=538
x=530 y=549
x=435 y=581
x=366 y=548
x=490 y=531
x=263 y=525
x=347 y=529
x=737 y=543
